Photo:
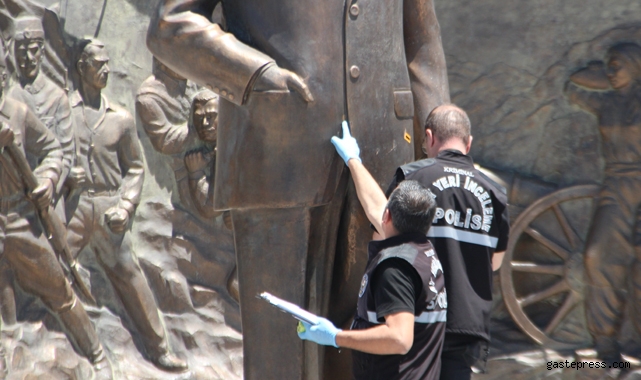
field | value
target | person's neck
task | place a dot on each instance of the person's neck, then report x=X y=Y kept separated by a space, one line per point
x=390 y=232
x=627 y=89
x=25 y=81
x=453 y=145
x=90 y=96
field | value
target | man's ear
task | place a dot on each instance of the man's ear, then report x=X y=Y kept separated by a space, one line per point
x=469 y=145
x=387 y=216
x=80 y=67
x=429 y=137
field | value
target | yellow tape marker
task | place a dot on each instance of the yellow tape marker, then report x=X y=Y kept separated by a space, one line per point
x=407 y=137
x=300 y=329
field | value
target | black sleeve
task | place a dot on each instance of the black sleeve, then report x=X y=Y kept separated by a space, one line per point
x=504 y=231
x=396 y=284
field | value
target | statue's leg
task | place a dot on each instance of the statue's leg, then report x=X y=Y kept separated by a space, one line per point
x=7 y=294
x=115 y=255
x=38 y=272
x=289 y=253
x=271 y=252
x=608 y=256
x=351 y=257
x=635 y=275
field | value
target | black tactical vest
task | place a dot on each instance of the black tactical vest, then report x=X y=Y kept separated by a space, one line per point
x=423 y=359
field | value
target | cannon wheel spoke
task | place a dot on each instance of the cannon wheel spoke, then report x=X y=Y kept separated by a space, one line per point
x=557 y=288
x=571 y=301
x=572 y=237
x=561 y=252
x=520 y=266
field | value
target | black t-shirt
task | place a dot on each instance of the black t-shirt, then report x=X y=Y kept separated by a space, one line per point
x=396 y=284
x=403 y=274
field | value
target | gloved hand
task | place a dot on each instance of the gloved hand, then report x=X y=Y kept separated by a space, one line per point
x=347 y=147
x=323 y=333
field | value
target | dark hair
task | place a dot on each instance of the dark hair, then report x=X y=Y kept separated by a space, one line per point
x=412 y=207
x=631 y=52
x=448 y=121
x=204 y=97
x=82 y=48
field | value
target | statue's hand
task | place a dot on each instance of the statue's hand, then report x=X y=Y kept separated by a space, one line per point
x=195 y=161
x=43 y=193
x=347 y=147
x=77 y=177
x=277 y=79
x=117 y=219
x=6 y=134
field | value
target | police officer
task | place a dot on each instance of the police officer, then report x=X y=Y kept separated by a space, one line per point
x=400 y=320
x=469 y=232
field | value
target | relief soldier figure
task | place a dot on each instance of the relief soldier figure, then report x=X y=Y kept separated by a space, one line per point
x=110 y=159
x=50 y=105
x=288 y=73
x=43 y=97
x=201 y=166
x=163 y=104
x=23 y=243
x=613 y=254
x=197 y=161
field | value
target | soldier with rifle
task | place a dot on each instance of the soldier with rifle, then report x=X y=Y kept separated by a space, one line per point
x=23 y=240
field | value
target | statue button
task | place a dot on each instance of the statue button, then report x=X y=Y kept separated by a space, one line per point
x=354 y=10
x=224 y=92
x=231 y=96
x=354 y=71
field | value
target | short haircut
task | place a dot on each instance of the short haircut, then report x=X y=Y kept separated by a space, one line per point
x=449 y=121
x=412 y=207
x=84 y=46
x=204 y=97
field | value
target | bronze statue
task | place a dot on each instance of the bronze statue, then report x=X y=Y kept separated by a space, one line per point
x=205 y=123
x=50 y=104
x=287 y=74
x=164 y=105
x=43 y=97
x=110 y=159
x=612 y=256
x=201 y=166
x=24 y=243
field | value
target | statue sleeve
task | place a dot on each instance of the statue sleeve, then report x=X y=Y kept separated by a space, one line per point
x=199 y=50
x=425 y=58
x=64 y=133
x=165 y=137
x=131 y=164
x=42 y=143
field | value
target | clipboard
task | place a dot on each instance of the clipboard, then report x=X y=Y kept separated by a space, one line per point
x=290 y=308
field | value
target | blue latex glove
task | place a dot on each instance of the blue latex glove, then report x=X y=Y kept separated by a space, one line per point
x=347 y=147
x=323 y=333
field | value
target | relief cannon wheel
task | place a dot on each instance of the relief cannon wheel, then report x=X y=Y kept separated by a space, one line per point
x=542 y=272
